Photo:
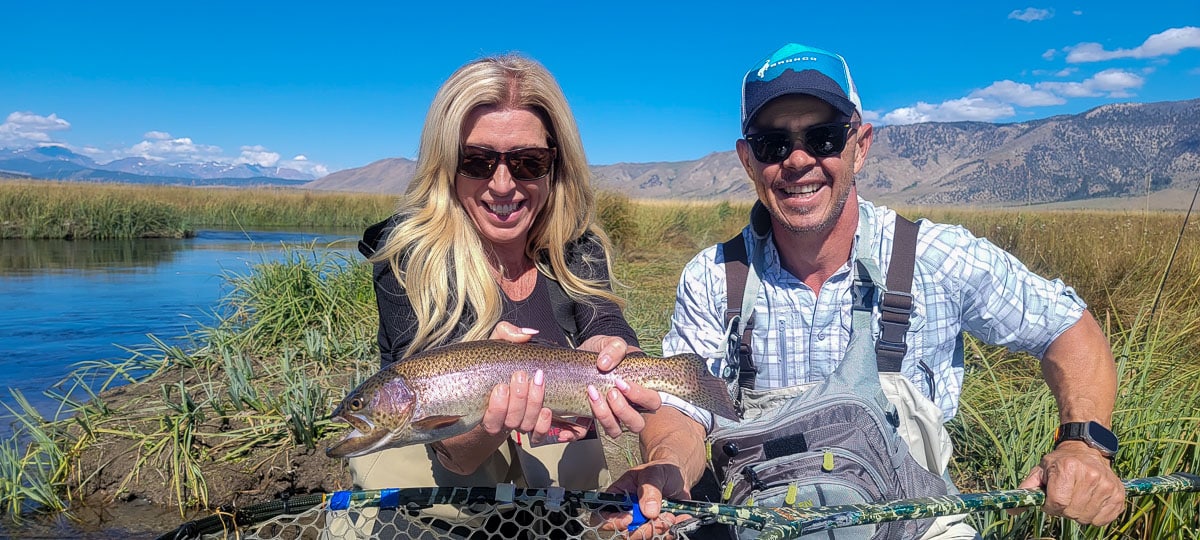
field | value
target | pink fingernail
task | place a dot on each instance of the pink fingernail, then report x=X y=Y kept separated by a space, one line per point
x=538 y=377
x=592 y=393
x=622 y=385
x=529 y=331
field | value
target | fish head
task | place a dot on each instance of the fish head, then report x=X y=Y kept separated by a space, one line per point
x=380 y=414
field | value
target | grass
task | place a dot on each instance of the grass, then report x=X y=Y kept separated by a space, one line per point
x=298 y=334
x=74 y=210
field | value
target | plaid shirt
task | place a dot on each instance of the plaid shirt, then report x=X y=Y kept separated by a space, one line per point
x=960 y=283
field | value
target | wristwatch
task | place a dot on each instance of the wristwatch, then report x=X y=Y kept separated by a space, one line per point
x=1092 y=433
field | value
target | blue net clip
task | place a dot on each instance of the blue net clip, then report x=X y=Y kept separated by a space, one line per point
x=505 y=493
x=554 y=497
x=340 y=500
x=636 y=513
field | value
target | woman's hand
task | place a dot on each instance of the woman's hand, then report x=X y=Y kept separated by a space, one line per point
x=616 y=408
x=512 y=333
x=518 y=404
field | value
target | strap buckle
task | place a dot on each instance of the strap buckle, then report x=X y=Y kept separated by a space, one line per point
x=895 y=312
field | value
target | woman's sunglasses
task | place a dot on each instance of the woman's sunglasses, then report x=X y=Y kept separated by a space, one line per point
x=821 y=140
x=526 y=164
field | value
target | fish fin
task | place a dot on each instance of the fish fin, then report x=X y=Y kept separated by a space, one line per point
x=430 y=423
x=579 y=424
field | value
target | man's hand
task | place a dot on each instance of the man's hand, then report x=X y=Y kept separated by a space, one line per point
x=651 y=482
x=1079 y=484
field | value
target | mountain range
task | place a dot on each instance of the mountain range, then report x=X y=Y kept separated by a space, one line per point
x=1117 y=150
x=1111 y=152
x=60 y=163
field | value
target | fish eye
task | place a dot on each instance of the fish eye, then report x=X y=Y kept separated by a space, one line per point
x=356 y=404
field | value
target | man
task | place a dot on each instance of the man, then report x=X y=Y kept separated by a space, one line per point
x=804 y=142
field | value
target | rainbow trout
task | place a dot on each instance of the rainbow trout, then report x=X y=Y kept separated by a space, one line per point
x=443 y=392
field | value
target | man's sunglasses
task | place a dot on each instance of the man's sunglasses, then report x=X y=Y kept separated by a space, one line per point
x=821 y=140
x=525 y=164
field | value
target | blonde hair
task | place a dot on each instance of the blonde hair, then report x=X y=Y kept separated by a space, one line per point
x=436 y=252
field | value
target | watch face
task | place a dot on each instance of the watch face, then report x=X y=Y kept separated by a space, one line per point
x=1094 y=434
x=1102 y=437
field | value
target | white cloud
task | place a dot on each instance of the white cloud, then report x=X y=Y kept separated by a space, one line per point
x=1031 y=14
x=1165 y=43
x=1049 y=54
x=1113 y=83
x=968 y=108
x=999 y=99
x=29 y=128
x=302 y=164
x=257 y=155
x=1016 y=93
x=1064 y=72
x=161 y=146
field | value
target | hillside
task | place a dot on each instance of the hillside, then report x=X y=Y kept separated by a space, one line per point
x=1120 y=150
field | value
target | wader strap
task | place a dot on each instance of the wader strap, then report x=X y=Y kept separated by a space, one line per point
x=896 y=305
x=741 y=285
x=738 y=328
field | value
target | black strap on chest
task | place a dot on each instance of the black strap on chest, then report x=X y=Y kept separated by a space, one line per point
x=736 y=270
x=895 y=308
x=564 y=310
x=896 y=305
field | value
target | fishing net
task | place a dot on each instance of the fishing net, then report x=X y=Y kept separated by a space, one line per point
x=428 y=513
x=507 y=512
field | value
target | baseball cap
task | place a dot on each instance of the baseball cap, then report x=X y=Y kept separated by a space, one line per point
x=799 y=69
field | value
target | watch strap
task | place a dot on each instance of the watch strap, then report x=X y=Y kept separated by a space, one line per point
x=1093 y=434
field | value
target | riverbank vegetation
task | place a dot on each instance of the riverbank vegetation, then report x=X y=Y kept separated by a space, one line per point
x=240 y=415
x=75 y=210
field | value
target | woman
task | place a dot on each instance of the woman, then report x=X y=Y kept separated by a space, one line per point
x=495 y=238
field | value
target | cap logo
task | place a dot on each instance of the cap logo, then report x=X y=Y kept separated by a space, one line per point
x=768 y=65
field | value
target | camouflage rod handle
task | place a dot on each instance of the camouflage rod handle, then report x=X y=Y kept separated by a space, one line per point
x=782 y=523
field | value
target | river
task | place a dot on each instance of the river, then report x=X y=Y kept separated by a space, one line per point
x=64 y=302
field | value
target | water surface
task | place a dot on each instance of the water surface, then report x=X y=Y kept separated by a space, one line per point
x=64 y=302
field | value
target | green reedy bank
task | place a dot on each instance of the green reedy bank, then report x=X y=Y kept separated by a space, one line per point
x=301 y=333
x=45 y=209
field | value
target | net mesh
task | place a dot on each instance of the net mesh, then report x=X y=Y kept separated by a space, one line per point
x=508 y=512
x=496 y=522
x=539 y=514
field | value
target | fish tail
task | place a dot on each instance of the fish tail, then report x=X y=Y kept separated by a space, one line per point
x=709 y=392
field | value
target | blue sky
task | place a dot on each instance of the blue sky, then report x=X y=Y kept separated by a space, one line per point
x=334 y=85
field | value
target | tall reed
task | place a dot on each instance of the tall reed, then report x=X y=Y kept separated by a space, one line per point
x=75 y=211
x=47 y=209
